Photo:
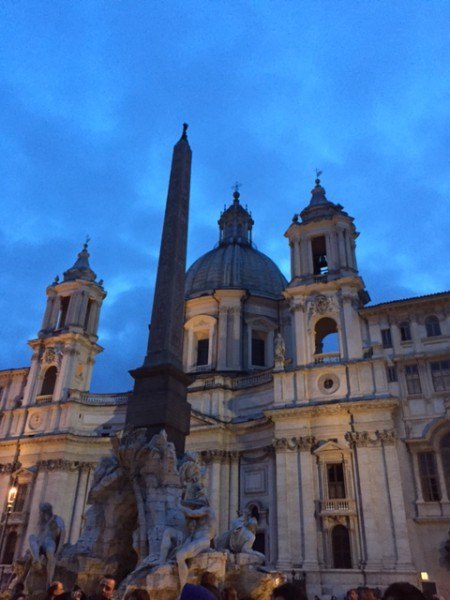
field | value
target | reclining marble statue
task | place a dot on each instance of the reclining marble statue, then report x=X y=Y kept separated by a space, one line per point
x=240 y=538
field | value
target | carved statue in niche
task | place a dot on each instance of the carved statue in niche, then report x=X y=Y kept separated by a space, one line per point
x=45 y=546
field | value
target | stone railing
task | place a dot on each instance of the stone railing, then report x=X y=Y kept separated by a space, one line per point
x=327 y=357
x=337 y=506
x=44 y=398
x=100 y=399
x=233 y=383
x=201 y=369
x=251 y=380
x=320 y=278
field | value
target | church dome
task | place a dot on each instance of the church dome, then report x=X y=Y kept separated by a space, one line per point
x=235 y=263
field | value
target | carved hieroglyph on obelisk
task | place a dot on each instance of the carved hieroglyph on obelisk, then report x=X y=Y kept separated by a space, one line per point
x=159 y=396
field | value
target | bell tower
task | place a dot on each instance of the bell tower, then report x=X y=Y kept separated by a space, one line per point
x=322 y=242
x=65 y=349
x=325 y=291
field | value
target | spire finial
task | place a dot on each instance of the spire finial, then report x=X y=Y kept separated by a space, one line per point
x=236 y=187
x=184 y=134
x=88 y=239
x=318 y=174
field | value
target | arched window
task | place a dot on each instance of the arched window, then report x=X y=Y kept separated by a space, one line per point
x=10 y=548
x=62 y=313
x=319 y=252
x=48 y=385
x=445 y=454
x=326 y=336
x=432 y=326
x=340 y=542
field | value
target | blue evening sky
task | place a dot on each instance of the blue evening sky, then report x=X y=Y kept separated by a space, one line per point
x=93 y=95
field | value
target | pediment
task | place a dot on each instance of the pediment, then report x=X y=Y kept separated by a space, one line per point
x=330 y=446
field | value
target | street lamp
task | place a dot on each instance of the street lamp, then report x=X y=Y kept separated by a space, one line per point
x=10 y=501
x=12 y=494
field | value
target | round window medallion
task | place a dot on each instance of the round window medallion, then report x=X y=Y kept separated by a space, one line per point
x=35 y=420
x=328 y=384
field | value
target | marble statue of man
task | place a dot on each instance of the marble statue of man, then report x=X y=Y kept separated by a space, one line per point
x=48 y=541
x=201 y=523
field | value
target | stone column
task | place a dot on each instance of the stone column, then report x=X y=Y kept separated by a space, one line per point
x=374 y=503
x=296 y=258
x=292 y=506
x=341 y=246
x=31 y=388
x=190 y=350
x=224 y=515
x=298 y=308
x=53 y=316
x=394 y=481
x=234 y=486
x=94 y=318
x=46 y=321
x=80 y=498
x=309 y=529
x=334 y=251
x=222 y=339
x=235 y=313
x=292 y=253
x=283 y=525
x=418 y=481
x=81 y=301
x=441 y=474
x=350 y=330
x=214 y=458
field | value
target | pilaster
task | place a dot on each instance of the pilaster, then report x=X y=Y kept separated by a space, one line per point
x=283 y=525
x=394 y=481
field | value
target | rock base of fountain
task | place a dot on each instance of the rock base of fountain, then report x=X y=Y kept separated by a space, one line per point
x=241 y=571
x=162 y=581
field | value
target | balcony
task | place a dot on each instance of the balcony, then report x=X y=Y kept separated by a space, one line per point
x=327 y=358
x=320 y=278
x=44 y=398
x=337 y=506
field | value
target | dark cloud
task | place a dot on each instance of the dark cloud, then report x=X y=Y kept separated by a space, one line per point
x=92 y=97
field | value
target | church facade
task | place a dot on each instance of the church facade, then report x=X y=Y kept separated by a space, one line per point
x=324 y=417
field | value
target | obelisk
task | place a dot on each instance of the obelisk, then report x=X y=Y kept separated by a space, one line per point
x=160 y=386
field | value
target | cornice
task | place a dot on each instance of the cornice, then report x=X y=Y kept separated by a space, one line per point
x=364 y=439
x=294 y=443
x=219 y=455
x=400 y=305
x=331 y=408
x=14 y=372
x=10 y=467
x=64 y=465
